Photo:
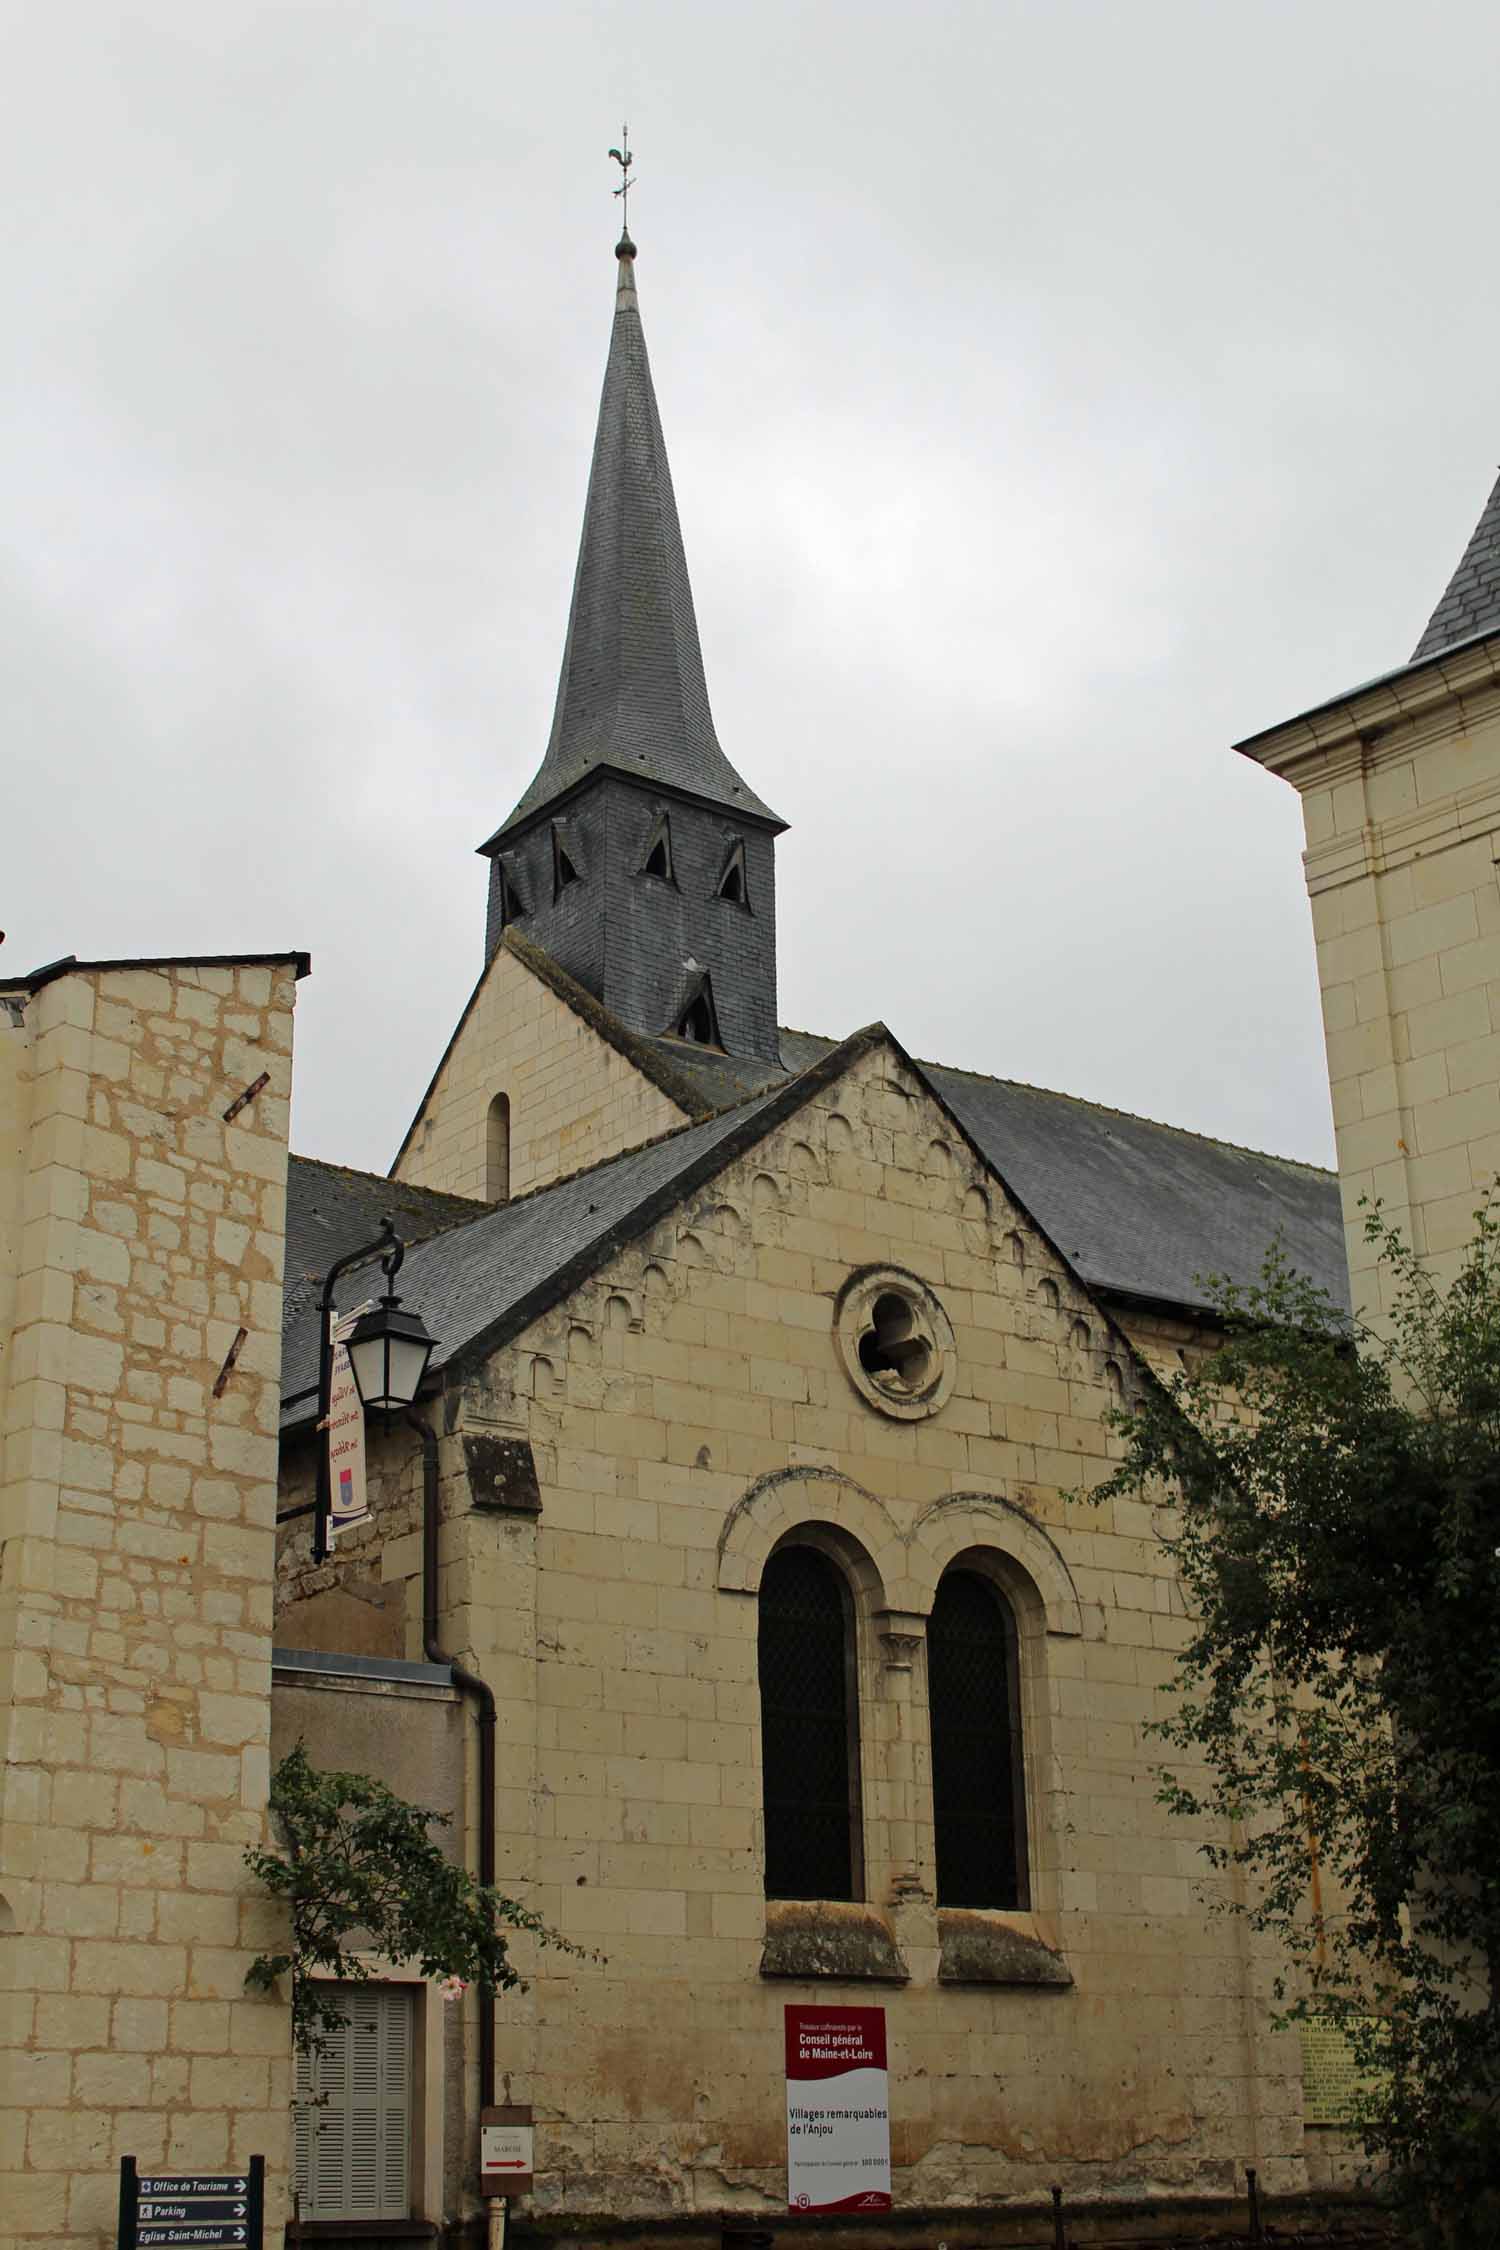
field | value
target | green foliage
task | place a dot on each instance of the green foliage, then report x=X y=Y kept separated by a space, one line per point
x=361 y=1874
x=1332 y=1499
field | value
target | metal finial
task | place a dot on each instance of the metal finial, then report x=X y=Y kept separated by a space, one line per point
x=624 y=159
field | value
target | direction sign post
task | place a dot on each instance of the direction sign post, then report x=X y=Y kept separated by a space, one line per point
x=506 y=2162
x=192 y=2210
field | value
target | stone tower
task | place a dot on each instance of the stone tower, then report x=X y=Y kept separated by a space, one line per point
x=1400 y=788
x=638 y=859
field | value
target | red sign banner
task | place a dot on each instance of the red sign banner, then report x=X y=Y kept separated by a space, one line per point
x=838 y=2119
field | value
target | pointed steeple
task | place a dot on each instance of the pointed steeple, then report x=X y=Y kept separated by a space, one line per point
x=632 y=694
x=1471 y=605
x=639 y=858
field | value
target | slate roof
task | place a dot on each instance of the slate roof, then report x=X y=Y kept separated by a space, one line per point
x=632 y=692
x=1140 y=1209
x=330 y=1210
x=476 y=1284
x=1471 y=603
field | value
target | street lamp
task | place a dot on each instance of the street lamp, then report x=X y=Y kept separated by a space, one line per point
x=388 y=1354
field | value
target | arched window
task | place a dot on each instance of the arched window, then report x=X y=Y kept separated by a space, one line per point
x=497 y=1150
x=978 y=1786
x=809 y=1724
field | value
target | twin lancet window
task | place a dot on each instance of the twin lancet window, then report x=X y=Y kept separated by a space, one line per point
x=810 y=1735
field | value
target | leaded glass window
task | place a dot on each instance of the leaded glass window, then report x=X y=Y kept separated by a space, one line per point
x=978 y=1789
x=809 y=1728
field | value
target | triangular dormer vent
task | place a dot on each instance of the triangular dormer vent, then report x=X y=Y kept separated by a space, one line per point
x=658 y=859
x=698 y=1020
x=732 y=883
x=512 y=902
x=567 y=859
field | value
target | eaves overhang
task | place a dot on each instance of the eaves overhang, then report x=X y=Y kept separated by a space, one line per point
x=1409 y=693
x=537 y=816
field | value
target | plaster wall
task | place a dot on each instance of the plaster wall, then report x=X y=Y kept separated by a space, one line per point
x=140 y=1394
x=686 y=1408
x=574 y=1099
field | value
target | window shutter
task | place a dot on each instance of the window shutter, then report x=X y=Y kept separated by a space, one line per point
x=353 y=2119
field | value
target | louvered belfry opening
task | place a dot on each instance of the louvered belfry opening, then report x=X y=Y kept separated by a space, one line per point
x=809 y=1729
x=978 y=1787
x=352 y=2119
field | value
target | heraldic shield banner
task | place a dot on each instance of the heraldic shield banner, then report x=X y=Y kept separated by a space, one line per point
x=838 y=2117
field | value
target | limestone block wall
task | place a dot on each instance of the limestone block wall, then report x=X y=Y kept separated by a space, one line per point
x=687 y=1407
x=574 y=1099
x=141 y=1237
x=1401 y=802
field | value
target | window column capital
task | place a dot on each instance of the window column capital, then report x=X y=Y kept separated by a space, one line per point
x=903 y=1635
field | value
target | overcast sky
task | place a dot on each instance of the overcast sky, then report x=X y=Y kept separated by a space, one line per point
x=1055 y=394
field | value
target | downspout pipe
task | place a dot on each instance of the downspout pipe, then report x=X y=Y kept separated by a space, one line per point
x=483 y=1697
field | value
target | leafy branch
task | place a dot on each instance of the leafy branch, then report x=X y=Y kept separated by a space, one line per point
x=1330 y=1494
x=361 y=1873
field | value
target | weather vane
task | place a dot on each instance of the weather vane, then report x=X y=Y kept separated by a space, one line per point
x=624 y=159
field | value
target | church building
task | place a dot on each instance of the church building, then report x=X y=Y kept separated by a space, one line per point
x=772 y=1374
x=734 y=1585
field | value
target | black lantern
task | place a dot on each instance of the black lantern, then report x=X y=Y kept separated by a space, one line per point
x=388 y=1353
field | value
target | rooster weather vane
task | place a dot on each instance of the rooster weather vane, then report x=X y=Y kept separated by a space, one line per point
x=624 y=159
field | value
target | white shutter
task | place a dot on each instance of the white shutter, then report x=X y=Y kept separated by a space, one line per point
x=352 y=2146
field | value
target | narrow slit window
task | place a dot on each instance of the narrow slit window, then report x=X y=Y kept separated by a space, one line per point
x=497 y=1150
x=809 y=1728
x=978 y=1781
x=732 y=884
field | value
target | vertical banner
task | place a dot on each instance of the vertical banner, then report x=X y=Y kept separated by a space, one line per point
x=346 y=1432
x=838 y=2114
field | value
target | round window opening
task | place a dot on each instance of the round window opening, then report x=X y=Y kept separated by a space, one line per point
x=895 y=1342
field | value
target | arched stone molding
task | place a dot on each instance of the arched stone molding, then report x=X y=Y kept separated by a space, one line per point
x=786 y=1498
x=965 y=1520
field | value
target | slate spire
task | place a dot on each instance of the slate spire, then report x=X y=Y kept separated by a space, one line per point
x=1471 y=604
x=632 y=694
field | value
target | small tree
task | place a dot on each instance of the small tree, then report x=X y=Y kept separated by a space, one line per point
x=1334 y=1512
x=360 y=1872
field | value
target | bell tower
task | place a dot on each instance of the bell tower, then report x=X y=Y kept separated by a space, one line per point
x=638 y=858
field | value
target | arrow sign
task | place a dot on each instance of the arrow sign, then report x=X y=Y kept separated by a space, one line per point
x=179 y=2184
x=191 y=2210
x=203 y=2238
x=196 y=2210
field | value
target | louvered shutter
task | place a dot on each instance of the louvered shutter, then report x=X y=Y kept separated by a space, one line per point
x=353 y=2120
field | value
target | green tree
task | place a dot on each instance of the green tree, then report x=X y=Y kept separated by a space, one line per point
x=360 y=1872
x=1332 y=1498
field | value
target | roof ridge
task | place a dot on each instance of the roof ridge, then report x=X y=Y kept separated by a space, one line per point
x=1139 y=1117
x=1107 y=1109
x=384 y=1180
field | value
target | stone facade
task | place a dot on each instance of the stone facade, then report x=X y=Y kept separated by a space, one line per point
x=142 y=1214
x=574 y=1098
x=1400 y=787
x=686 y=1407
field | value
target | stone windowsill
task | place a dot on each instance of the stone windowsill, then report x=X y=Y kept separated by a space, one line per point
x=849 y=1942
x=983 y=1946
